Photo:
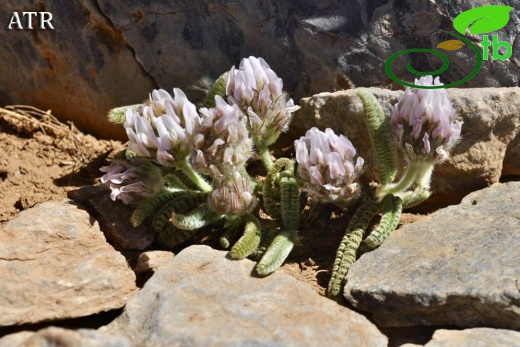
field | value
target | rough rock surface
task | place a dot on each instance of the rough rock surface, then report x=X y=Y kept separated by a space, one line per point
x=152 y=260
x=458 y=266
x=55 y=264
x=488 y=147
x=203 y=298
x=114 y=218
x=477 y=337
x=108 y=53
x=79 y=70
x=53 y=336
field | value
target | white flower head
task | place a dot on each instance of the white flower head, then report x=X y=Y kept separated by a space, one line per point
x=257 y=90
x=232 y=194
x=132 y=181
x=164 y=127
x=326 y=164
x=424 y=122
x=223 y=144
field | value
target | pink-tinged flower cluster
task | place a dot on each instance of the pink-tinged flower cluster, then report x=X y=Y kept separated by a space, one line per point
x=257 y=90
x=326 y=164
x=232 y=194
x=222 y=144
x=164 y=127
x=424 y=122
x=132 y=181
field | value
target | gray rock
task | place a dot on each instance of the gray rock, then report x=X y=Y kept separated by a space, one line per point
x=458 y=266
x=114 y=218
x=53 y=336
x=56 y=264
x=152 y=260
x=202 y=298
x=108 y=53
x=316 y=46
x=488 y=147
x=477 y=337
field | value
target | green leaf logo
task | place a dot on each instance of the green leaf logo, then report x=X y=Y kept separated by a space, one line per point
x=482 y=20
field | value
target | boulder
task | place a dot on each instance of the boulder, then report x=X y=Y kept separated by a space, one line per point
x=459 y=266
x=56 y=264
x=202 y=298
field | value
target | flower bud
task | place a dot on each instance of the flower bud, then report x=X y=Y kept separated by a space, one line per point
x=164 y=127
x=232 y=194
x=257 y=90
x=223 y=144
x=326 y=164
x=424 y=122
x=133 y=180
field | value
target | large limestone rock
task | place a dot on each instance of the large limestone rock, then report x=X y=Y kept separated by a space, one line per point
x=488 y=147
x=459 y=266
x=201 y=298
x=56 y=264
x=53 y=336
x=107 y=53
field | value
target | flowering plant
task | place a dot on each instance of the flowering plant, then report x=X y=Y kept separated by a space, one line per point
x=423 y=128
x=186 y=169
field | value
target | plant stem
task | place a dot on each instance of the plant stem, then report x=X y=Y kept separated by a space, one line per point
x=424 y=176
x=266 y=156
x=186 y=167
x=413 y=198
x=418 y=173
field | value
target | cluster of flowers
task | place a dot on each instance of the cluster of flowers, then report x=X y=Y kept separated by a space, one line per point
x=424 y=125
x=216 y=141
x=326 y=163
x=219 y=140
x=424 y=122
x=211 y=146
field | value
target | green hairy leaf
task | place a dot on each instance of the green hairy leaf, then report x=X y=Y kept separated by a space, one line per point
x=196 y=219
x=118 y=115
x=381 y=136
x=482 y=20
x=181 y=204
x=150 y=206
x=249 y=242
x=268 y=235
x=346 y=254
x=171 y=236
x=218 y=88
x=392 y=208
x=277 y=252
x=290 y=202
